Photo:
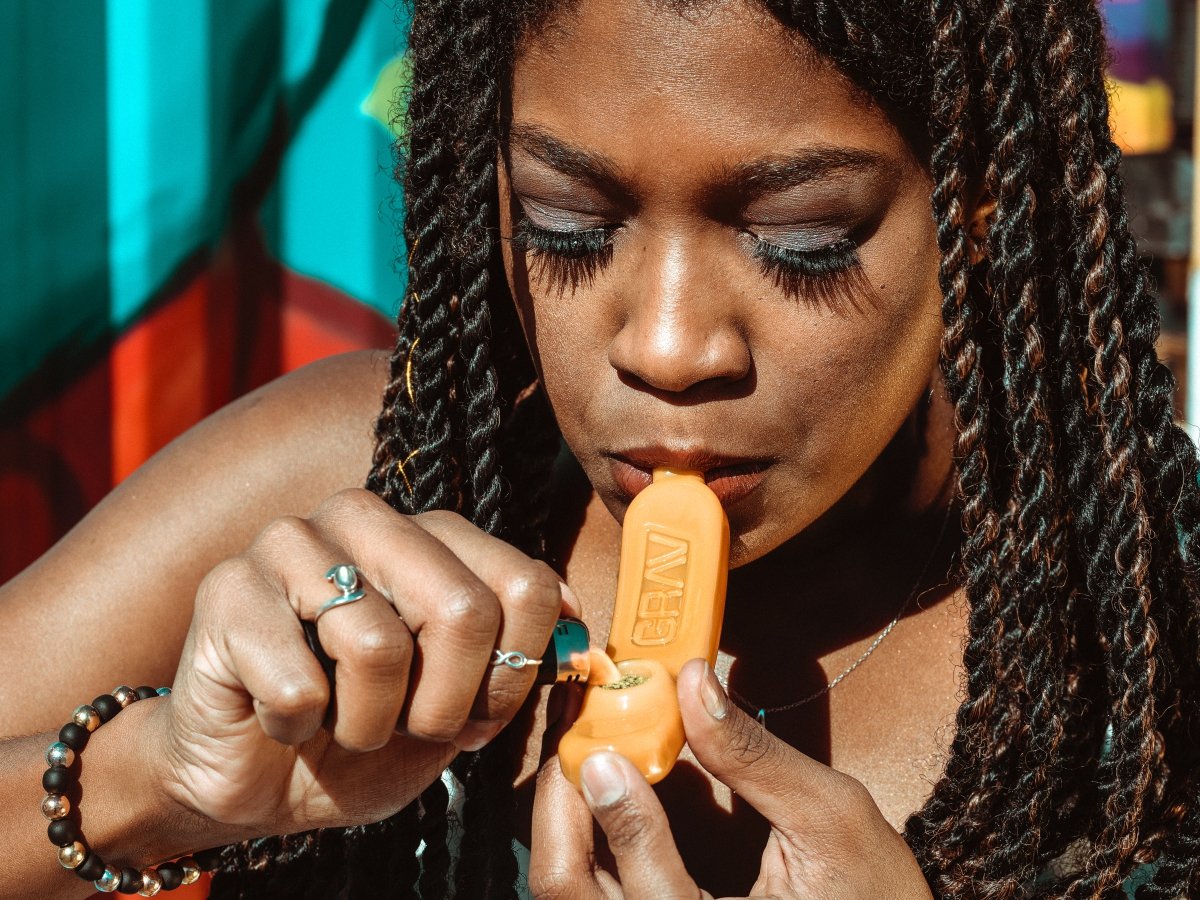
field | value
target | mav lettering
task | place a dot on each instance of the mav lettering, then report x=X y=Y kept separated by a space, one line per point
x=660 y=606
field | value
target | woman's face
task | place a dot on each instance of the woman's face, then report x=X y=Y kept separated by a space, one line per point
x=723 y=256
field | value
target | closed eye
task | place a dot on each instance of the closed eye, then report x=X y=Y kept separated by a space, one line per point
x=566 y=257
x=830 y=274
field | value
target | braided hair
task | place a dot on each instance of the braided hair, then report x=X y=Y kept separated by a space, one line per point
x=1075 y=758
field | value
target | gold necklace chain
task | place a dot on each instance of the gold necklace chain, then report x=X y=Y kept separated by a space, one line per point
x=760 y=712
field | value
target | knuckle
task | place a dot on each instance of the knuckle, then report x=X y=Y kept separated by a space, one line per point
x=750 y=743
x=382 y=645
x=469 y=609
x=439 y=520
x=625 y=827
x=438 y=728
x=853 y=797
x=229 y=580
x=533 y=589
x=282 y=534
x=296 y=698
x=553 y=881
x=505 y=695
x=348 y=503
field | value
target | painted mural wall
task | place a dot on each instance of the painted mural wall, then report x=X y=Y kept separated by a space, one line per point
x=195 y=197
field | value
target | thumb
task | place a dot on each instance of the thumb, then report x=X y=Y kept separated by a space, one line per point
x=796 y=794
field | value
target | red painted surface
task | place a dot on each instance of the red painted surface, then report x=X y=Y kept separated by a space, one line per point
x=215 y=339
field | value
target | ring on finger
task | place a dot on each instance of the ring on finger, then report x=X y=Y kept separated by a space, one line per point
x=345 y=578
x=514 y=659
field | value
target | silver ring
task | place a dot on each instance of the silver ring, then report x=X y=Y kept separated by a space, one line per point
x=514 y=659
x=345 y=578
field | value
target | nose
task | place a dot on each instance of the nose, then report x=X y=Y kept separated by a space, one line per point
x=680 y=329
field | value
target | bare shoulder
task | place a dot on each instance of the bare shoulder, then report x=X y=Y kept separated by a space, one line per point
x=124 y=579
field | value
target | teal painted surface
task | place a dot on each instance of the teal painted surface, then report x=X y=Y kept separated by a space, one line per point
x=53 y=193
x=337 y=205
x=160 y=200
x=132 y=128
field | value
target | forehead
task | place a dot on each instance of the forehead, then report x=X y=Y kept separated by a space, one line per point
x=669 y=82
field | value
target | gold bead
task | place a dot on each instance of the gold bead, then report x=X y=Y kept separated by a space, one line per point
x=124 y=695
x=191 y=870
x=55 y=806
x=109 y=880
x=72 y=855
x=85 y=716
x=151 y=883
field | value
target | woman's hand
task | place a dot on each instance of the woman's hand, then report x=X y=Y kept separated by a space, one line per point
x=247 y=741
x=828 y=840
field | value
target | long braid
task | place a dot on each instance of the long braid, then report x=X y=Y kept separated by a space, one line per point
x=1125 y=612
x=1010 y=855
x=414 y=406
x=1067 y=82
x=934 y=831
x=478 y=248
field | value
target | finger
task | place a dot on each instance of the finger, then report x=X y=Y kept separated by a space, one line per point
x=372 y=647
x=562 y=855
x=792 y=791
x=453 y=616
x=262 y=655
x=636 y=827
x=562 y=709
x=531 y=596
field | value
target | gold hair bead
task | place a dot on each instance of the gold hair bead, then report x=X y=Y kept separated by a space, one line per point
x=56 y=806
x=403 y=474
x=408 y=372
x=124 y=695
x=85 y=716
x=70 y=856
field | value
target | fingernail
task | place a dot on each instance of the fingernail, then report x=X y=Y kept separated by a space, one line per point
x=476 y=735
x=603 y=779
x=570 y=600
x=712 y=695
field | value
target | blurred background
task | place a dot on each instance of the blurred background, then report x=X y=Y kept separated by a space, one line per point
x=196 y=196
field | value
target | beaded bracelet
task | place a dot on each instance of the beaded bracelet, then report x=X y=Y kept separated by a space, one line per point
x=64 y=833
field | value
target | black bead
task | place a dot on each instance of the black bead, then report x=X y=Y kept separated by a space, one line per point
x=131 y=881
x=107 y=706
x=208 y=859
x=91 y=868
x=145 y=692
x=63 y=832
x=57 y=780
x=74 y=736
x=171 y=875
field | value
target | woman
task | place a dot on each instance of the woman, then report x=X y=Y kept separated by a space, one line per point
x=694 y=233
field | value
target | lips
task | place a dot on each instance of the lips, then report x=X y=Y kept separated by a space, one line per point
x=730 y=478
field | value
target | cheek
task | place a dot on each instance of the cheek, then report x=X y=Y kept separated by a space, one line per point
x=849 y=381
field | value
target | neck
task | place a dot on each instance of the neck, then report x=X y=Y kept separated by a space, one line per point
x=826 y=593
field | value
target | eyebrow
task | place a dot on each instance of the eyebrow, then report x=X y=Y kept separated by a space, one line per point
x=762 y=176
x=572 y=161
x=781 y=173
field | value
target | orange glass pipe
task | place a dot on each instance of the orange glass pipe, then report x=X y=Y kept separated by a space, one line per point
x=670 y=603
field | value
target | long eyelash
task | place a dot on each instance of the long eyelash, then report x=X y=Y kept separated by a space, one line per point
x=830 y=276
x=565 y=257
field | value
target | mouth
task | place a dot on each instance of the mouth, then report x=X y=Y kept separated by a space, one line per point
x=731 y=478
